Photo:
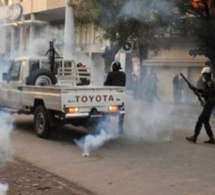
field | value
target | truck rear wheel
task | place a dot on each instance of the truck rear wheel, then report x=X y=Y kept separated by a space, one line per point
x=41 y=122
x=41 y=77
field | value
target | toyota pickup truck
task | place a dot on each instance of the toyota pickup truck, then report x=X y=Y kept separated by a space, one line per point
x=55 y=98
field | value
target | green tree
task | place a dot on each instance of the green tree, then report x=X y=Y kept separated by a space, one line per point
x=84 y=10
x=136 y=21
x=200 y=23
x=145 y=22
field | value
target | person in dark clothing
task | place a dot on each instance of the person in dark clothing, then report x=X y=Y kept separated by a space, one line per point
x=176 y=89
x=117 y=78
x=200 y=83
x=208 y=93
x=154 y=84
x=51 y=55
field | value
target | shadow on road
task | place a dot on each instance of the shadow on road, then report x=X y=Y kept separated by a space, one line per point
x=66 y=135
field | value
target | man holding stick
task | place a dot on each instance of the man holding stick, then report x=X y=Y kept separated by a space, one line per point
x=208 y=94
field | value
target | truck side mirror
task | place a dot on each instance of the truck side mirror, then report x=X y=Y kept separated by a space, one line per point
x=4 y=76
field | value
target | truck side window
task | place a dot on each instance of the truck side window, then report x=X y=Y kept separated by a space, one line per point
x=14 y=71
x=34 y=65
x=45 y=64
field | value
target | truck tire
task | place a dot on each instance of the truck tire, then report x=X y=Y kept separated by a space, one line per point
x=41 y=77
x=41 y=122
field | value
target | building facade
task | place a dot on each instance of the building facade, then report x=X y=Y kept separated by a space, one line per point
x=178 y=58
x=24 y=21
x=27 y=26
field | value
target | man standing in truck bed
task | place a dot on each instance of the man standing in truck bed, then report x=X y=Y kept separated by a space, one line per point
x=117 y=78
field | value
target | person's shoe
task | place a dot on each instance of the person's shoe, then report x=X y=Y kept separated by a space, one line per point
x=210 y=141
x=191 y=139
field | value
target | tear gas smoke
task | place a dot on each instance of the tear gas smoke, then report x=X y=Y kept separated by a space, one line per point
x=6 y=148
x=68 y=33
x=3 y=189
x=40 y=43
x=144 y=11
x=158 y=121
x=91 y=142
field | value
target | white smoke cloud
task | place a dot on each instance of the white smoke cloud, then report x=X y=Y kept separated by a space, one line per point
x=92 y=142
x=6 y=148
x=3 y=189
x=145 y=10
x=69 y=33
x=148 y=121
x=40 y=44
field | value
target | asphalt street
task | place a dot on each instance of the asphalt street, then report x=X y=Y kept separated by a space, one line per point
x=151 y=157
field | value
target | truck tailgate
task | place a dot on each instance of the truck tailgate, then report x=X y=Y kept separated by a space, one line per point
x=85 y=98
x=100 y=96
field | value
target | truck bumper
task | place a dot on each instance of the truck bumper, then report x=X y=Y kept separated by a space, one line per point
x=95 y=115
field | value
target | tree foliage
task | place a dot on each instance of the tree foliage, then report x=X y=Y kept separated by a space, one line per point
x=84 y=11
x=135 y=20
x=147 y=21
x=201 y=25
x=126 y=19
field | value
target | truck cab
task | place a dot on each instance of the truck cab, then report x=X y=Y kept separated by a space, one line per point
x=36 y=71
x=21 y=69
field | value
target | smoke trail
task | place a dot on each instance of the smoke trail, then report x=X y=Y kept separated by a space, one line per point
x=91 y=142
x=68 y=33
x=3 y=189
x=6 y=148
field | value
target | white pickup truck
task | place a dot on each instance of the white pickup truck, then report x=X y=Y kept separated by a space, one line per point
x=65 y=96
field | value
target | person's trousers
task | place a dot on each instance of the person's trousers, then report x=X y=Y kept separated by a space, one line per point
x=204 y=118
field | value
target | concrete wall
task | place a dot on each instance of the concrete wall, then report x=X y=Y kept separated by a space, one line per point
x=178 y=49
x=34 y=6
x=53 y=4
x=168 y=62
x=165 y=85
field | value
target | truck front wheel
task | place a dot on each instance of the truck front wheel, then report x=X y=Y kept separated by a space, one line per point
x=41 y=122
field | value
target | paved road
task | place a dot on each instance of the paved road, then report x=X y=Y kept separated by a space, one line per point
x=151 y=158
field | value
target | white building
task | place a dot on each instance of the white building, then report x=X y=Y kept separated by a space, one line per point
x=27 y=26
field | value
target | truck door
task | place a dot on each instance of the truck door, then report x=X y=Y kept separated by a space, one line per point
x=11 y=86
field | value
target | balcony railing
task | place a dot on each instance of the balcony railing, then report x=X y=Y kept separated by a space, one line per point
x=34 y=6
